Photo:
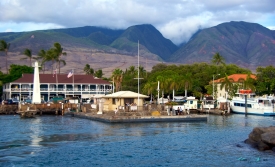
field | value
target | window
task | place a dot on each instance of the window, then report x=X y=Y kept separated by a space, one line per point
x=236 y=104
x=243 y=105
x=114 y=100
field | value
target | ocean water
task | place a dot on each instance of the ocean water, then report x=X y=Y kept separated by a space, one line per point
x=70 y=141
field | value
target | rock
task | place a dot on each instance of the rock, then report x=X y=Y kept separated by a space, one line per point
x=263 y=146
x=255 y=135
x=251 y=142
x=269 y=138
x=262 y=138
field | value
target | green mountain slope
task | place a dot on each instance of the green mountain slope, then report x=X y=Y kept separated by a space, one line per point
x=37 y=40
x=245 y=44
x=149 y=37
x=106 y=40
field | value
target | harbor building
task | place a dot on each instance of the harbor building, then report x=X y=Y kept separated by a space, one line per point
x=81 y=86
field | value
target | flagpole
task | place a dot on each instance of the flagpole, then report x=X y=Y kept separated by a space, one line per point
x=138 y=78
x=138 y=73
x=73 y=81
x=113 y=86
x=56 y=82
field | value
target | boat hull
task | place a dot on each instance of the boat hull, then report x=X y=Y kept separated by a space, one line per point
x=262 y=107
x=252 y=113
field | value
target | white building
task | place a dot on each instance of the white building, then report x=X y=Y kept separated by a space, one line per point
x=82 y=86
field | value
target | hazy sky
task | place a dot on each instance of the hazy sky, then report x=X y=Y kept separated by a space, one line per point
x=177 y=20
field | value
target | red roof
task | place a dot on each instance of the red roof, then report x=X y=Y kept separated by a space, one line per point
x=236 y=77
x=62 y=78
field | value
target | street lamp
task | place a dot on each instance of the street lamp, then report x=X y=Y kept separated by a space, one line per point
x=213 y=85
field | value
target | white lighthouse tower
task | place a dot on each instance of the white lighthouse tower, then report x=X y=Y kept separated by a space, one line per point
x=36 y=96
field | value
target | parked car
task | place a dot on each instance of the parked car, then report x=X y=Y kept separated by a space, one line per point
x=28 y=101
x=15 y=100
x=11 y=101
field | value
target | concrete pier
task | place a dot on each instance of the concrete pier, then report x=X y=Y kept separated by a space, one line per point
x=140 y=119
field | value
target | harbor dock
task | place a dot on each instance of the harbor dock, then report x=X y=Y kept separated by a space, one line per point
x=123 y=116
x=140 y=119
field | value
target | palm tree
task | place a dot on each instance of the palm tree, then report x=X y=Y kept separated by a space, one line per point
x=132 y=70
x=42 y=54
x=162 y=83
x=87 y=69
x=98 y=73
x=227 y=84
x=218 y=59
x=173 y=83
x=186 y=81
x=4 y=47
x=117 y=76
x=247 y=83
x=142 y=71
x=197 y=90
x=51 y=56
x=149 y=87
x=58 y=50
x=28 y=54
x=241 y=82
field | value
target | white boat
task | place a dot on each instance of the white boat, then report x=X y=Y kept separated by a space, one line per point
x=254 y=105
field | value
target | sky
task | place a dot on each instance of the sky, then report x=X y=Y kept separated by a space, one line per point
x=177 y=20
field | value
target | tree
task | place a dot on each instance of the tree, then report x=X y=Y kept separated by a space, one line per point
x=16 y=72
x=28 y=54
x=4 y=47
x=58 y=50
x=265 y=80
x=142 y=71
x=247 y=83
x=51 y=56
x=88 y=70
x=98 y=73
x=186 y=81
x=218 y=59
x=117 y=76
x=162 y=82
x=227 y=84
x=173 y=82
x=149 y=88
x=42 y=54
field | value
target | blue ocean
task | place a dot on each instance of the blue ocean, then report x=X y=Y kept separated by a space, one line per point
x=70 y=141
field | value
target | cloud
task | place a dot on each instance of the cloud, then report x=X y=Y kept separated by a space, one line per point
x=8 y=30
x=175 y=19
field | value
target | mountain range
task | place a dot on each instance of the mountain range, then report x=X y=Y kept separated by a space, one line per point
x=247 y=45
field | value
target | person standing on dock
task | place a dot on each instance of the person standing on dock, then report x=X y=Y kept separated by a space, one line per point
x=188 y=112
x=115 y=111
x=181 y=111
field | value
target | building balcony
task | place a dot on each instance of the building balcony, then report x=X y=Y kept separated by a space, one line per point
x=63 y=90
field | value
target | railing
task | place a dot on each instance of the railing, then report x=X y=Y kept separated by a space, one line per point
x=58 y=89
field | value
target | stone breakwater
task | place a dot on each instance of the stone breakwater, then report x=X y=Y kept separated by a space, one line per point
x=262 y=138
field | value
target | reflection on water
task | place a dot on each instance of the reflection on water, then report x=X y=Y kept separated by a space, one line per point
x=69 y=141
x=36 y=131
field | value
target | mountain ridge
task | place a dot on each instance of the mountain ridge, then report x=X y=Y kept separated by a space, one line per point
x=247 y=45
